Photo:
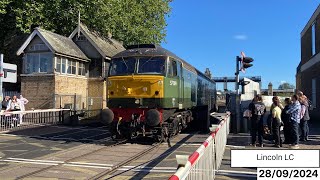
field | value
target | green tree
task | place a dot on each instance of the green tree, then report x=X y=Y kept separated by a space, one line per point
x=130 y=21
x=286 y=86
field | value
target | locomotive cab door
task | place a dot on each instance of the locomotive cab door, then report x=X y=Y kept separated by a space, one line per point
x=180 y=85
x=172 y=84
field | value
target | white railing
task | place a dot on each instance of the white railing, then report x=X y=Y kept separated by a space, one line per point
x=203 y=163
x=17 y=120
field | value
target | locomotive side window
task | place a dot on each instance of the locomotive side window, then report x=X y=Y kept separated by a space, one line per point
x=173 y=72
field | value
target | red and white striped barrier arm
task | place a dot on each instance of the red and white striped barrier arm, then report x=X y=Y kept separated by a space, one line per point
x=183 y=172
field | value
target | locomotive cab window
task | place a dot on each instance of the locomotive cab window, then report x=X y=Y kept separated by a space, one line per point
x=122 y=66
x=151 y=65
x=172 y=70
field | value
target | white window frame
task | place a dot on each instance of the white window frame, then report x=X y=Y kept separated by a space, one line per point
x=66 y=65
x=58 y=59
x=73 y=64
x=81 y=66
x=38 y=54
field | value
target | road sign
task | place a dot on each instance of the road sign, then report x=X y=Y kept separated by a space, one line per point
x=9 y=73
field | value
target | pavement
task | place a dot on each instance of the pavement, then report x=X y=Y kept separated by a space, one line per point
x=242 y=141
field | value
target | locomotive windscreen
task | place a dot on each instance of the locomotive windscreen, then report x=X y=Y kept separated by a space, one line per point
x=137 y=65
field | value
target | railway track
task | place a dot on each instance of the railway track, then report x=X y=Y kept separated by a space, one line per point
x=70 y=160
x=125 y=162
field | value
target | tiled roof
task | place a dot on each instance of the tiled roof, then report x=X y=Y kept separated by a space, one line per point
x=108 y=46
x=61 y=44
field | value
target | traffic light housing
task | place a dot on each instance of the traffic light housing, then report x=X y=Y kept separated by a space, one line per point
x=246 y=62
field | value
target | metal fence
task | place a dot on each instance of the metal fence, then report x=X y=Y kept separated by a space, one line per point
x=203 y=163
x=78 y=102
x=83 y=108
x=10 y=93
x=17 y=120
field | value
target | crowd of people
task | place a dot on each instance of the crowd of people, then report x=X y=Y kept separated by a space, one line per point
x=14 y=104
x=293 y=116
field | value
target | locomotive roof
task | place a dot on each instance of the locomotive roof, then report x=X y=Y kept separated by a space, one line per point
x=155 y=50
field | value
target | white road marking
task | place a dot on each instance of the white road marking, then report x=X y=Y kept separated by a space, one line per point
x=12 y=135
x=93 y=164
x=36 y=160
x=30 y=162
x=98 y=167
x=146 y=167
x=237 y=175
x=147 y=170
x=240 y=147
x=236 y=172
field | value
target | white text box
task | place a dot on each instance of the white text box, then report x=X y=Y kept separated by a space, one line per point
x=275 y=158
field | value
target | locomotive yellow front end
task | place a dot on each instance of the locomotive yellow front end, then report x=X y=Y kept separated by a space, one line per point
x=135 y=93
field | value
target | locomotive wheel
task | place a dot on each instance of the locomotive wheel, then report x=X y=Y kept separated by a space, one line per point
x=114 y=132
x=161 y=135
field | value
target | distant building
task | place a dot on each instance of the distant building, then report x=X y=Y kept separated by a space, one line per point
x=277 y=92
x=66 y=71
x=308 y=70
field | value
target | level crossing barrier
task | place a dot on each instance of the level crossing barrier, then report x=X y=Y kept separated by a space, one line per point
x=17 y=120
x=206 y=160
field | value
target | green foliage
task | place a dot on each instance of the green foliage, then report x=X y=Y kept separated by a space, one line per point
x=3 y=5
x=286 y=86
x=130 y=21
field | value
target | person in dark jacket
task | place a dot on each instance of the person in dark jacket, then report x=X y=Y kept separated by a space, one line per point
x=5 y=102
x=304 y=118
x=258 y=109
x=286 y=122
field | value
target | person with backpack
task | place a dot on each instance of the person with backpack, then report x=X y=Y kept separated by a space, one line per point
x=258 y=109
x=269 y=119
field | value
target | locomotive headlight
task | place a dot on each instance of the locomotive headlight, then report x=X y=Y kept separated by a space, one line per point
x=160 y=82
x=144 y=89
x=137 y=101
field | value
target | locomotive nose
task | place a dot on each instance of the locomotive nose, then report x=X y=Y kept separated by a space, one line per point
x=107 y=116
x=152 y=117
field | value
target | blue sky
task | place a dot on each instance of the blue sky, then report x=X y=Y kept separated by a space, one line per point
x=210 y=33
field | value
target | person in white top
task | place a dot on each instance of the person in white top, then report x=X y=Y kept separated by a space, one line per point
x=14 y=104
x=23 y=101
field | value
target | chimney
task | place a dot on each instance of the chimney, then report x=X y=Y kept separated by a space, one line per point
x=270 y=89
x=34 y=26
x=208 y=73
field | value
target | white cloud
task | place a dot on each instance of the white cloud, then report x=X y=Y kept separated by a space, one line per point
x=241 y=37
x=281 y=82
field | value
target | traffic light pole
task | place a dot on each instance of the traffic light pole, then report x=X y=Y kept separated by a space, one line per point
x=238 y=117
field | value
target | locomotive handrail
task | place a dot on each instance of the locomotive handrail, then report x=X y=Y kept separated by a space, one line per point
x=203 y=163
